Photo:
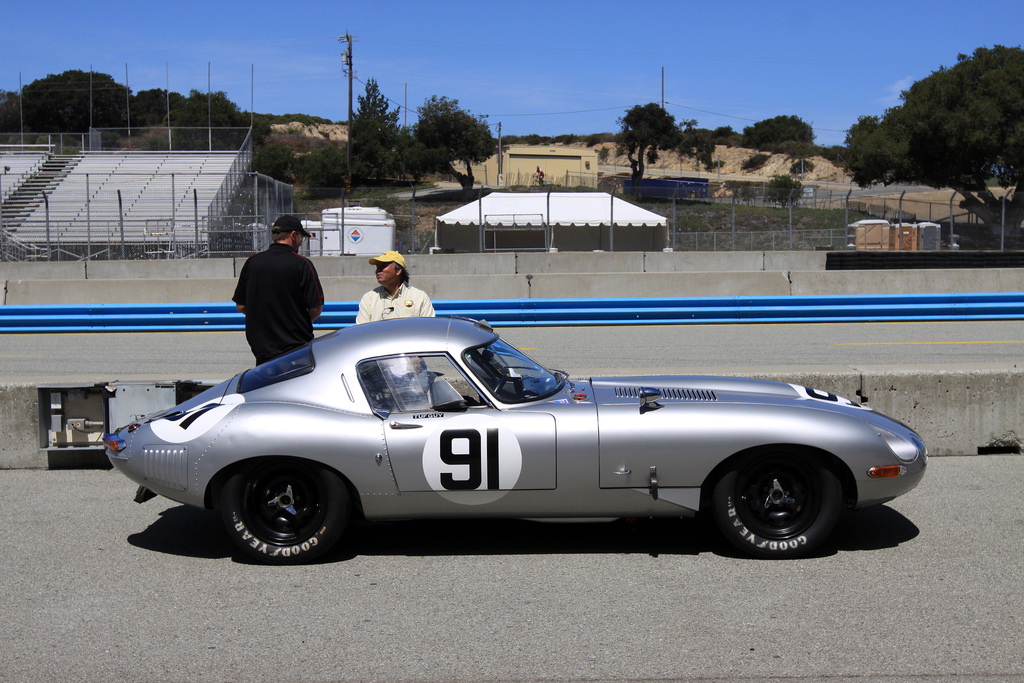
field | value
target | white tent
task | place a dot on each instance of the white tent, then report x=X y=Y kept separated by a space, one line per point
x=554 y=208
x=567 y=221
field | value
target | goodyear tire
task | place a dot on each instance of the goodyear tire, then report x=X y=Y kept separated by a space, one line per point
x=777 y=505
x=285 y=511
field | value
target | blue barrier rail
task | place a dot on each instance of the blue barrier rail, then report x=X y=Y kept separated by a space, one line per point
x=542 y=312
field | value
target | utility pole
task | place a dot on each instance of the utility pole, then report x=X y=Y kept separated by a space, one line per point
x=346 y=58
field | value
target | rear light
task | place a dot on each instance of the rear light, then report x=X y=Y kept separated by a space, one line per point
x=114 y=442
x=887 y=472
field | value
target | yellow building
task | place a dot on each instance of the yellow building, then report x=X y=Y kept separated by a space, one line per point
x=563 y=166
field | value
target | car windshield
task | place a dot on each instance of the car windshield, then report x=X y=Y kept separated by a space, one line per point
x=510 y=375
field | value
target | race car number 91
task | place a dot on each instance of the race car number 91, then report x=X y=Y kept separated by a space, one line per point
x=475 y=456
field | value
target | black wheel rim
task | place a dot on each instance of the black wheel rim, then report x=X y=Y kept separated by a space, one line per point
x=778 y=498
x=283 y=503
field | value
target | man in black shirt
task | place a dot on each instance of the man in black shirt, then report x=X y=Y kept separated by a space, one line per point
x=280 y=294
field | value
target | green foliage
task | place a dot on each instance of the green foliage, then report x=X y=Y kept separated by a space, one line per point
x=698 y=143
x=149 y=107
x=778 y=130
x=754 y=162
x=645 y=130
x=598 y=138
x=275 y=160
x=450 y=135
x=376 y=149
x=725 y=135
x=304 y=119
x=60 y=103
x=201 y=109
x=10 y=116
x=323 y=168
x=260 y=130
x=801 y=166
x=959 y=127
x=780 y=189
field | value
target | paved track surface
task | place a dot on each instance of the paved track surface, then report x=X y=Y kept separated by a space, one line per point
x=928 y=587
x=653 y=349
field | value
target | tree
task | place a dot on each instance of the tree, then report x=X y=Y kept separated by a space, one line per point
x=61 y=103
x=275 y=160
x=698 y=143
x=451 y=135
x=200 y=109
x=149 y=107
x=10 y=116
x=960 y=127
x=778 y=130
x=645 y=130
x=375 y=137
x=781 y=189
x=324 y=167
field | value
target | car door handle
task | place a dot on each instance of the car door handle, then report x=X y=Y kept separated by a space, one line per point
x=403 y=425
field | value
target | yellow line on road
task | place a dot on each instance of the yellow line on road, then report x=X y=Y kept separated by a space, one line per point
x=924 y=343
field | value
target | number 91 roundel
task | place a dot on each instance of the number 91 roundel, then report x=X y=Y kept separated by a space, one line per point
x=472 y=454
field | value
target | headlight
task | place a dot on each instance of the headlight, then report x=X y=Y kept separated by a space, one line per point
x=907 y=450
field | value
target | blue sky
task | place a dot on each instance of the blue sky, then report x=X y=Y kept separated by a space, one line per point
x=536 y=67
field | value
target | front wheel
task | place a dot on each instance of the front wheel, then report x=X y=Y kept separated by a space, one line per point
x=285 y=511
x=777 y=505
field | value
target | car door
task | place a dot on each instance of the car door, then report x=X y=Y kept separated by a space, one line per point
x=442 y=435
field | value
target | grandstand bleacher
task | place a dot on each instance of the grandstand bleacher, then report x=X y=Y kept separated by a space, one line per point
x=156 y=195
x=16 y=168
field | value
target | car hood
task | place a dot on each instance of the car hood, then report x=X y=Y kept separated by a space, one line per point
x=691 y=389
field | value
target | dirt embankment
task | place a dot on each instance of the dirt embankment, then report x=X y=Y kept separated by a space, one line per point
x=301 y=136
x=819 y=170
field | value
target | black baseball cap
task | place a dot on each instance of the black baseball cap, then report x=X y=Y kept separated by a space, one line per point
x=289 y=224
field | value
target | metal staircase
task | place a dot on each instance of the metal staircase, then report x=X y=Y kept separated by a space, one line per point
x=20 y=204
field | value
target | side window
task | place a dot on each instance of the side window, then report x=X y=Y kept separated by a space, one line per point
x=411 y=384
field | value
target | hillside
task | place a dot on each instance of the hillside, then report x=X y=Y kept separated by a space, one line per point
x=302 y=136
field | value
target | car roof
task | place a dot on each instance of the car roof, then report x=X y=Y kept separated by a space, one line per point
x=402 y=335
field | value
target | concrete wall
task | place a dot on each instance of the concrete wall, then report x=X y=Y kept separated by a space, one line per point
x=509 y=263
x=508 y=275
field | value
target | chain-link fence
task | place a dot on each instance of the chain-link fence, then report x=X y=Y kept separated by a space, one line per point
x=98 y=222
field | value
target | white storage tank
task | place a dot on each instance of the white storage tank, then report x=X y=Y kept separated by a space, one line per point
x=359 y=230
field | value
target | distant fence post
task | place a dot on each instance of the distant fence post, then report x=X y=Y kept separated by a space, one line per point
x=120 y=220
x=611 y=221
x=46 y=201
x=791 y=219
x=88 y=216
x=195 y=214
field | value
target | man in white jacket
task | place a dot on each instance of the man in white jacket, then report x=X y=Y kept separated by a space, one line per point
x=394 y=297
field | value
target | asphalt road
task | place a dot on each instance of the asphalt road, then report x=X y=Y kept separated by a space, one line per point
x=593 y=351
x=928 y=587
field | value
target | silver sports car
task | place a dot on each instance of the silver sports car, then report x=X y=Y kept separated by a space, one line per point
x=440 y=418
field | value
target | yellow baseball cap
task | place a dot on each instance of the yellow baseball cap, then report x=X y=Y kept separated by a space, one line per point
x=388 y=257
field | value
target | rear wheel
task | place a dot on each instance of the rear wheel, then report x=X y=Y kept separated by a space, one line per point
x=285 y=511
x=777 y=505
